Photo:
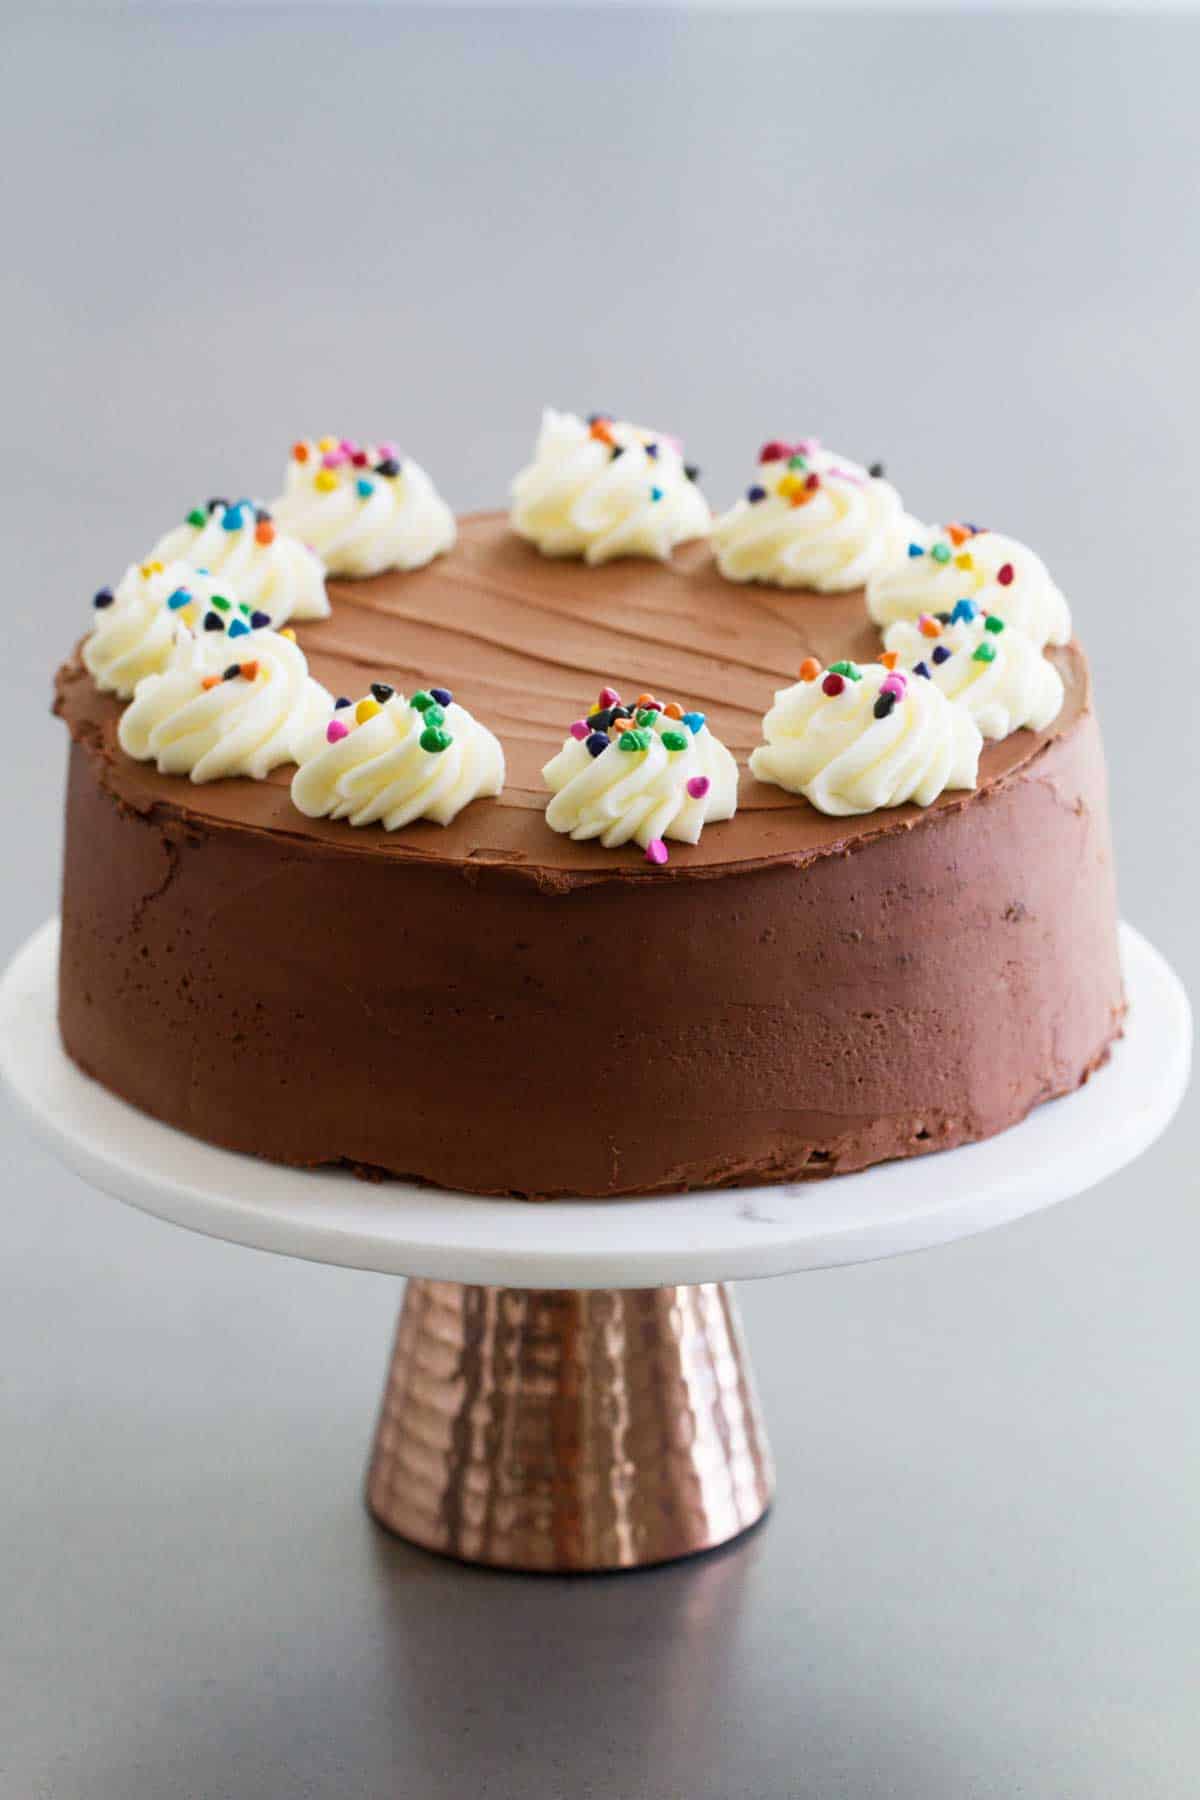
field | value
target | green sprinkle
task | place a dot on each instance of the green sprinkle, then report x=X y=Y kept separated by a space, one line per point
x=243 y=609
x=985 y=652
x=940 y=553
x=646 y=718
x=797 y=462
x=434 y=715
x=221 y=603
x=850 y=670
x=434 y=740
x=994 y=623
x=198 y=517
x=634 y=740
x=422 y=701
x=674 y=740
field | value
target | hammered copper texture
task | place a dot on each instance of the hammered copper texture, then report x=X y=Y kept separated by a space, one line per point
x=568 y=1430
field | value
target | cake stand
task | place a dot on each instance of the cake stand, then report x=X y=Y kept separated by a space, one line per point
x=568 y=1388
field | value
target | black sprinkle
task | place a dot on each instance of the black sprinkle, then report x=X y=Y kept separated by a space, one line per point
x=389 y=466
x=231 y=673
x=213 y=505
x=382 y=691
x=884 y=705
x=876 y=471
x=262 y=515
x=691 y=471
x=600 y=721
x=103 y=598
x=617 y=450
x=944 y=618
x=213 y=622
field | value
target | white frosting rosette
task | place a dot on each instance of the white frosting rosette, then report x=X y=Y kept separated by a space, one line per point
x=811 y=519
x=640 y=773
x=602 y=488
x=852 y=740
x=983 y=664
x=227 y=703
x=363 y=508
x=389 y=761
x=240 y=543
x=943 y=564
x=137 y=626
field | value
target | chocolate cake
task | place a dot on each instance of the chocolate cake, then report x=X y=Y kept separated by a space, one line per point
x=494 y=1006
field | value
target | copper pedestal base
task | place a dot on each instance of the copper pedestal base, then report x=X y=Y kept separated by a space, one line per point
x=568 y=1430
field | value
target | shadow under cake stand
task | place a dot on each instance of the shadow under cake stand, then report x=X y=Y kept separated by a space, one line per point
x=568 y=1388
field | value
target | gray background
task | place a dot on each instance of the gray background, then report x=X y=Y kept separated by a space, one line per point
x=968 y=246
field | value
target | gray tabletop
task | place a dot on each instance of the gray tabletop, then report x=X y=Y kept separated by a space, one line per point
x=963 y=245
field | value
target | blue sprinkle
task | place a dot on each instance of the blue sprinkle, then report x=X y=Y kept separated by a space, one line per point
x=596 y=742
x=232 y=519
x=365 y=488
x=964 y=612
x=443 y=696
x=915 y=550
x=342 y=700
x=755 y=494
x=656 y=493
x=178 y=599
x=694 y=721
x=103 y=598
x=922 y=668
x=941 y=654
x=259 y=619
x=239 y=628
x=652 y=450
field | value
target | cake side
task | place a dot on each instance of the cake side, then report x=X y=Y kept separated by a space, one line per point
x=285 y=994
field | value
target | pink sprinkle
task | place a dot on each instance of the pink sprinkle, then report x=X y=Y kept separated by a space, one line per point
x=894 y=684
x=675 y=443
x=335 y=731
x=847 y=475
x=807 y=446
x=580 y=730
x=388 y=447
x=348 y=445
x=609 y=697
x=698 y=786
x=656 y=852
x=333 y=459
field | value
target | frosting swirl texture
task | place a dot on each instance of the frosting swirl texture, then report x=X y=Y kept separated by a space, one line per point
x=363 y=509
x=604 y=488
x=241 y=544
x=857 y=739
x=640 y=773
x=945 y=564
x=997 y=673
x=388 y=761
x=235 y=703
x=136 y=628
x=811 y=519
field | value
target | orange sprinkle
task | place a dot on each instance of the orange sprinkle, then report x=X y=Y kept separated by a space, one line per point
x=249 y=670
x=930 y=626
x=958 y=534
x=210 y=681
x=802 y=498
x=644 y=700
x=672 y=710
x=299 y=452
x=810 y=668
x=264 y=532
x=890 y=658
x=602 y=432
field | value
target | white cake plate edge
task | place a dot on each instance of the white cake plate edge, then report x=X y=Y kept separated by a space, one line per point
x=401 y=1228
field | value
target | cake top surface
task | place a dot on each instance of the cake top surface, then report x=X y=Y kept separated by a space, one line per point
x=526 y=642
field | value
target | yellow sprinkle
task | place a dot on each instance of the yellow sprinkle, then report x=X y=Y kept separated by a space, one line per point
x=289 y=634
x=791 y=484
x=366 y=709
x=325 y=481
x=965 y=561
x=327 y=443
x=151 y=568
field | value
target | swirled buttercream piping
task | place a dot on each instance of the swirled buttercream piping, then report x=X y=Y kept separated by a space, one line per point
x=982 y=663
x=603 y=488
x=811 y=519
x=643 y=772
x=947 y=563
x=854 y=739
x=136 y=627
x=234 y=702
x=240 y=543
x=363 y=508
x=389 y=761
